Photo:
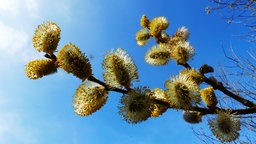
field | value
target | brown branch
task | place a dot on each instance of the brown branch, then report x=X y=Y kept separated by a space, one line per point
x=51 y=56
x=109 y=88
x=220 y=87
x=205 y=111
x=187 y=66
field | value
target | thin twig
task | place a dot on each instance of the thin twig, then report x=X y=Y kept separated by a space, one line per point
x=109 y=88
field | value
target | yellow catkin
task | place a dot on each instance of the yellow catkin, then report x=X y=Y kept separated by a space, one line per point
x=225 y=127
x=144 y=21
x=157 y=25
x=38 y=68
x=89 y=98
x=46 y=37
x=158 y=56
x=159 y=109
x=72 y=60
x=209 y=96
x=180 y=90
x=180 y=35
x=164 y=39
x=136 y=106
x=182 y=52
x=142 y=37
x=193 y=74
x=119 y=69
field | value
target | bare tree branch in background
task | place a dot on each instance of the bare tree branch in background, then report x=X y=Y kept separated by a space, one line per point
x=239 y=78
x=237 y=11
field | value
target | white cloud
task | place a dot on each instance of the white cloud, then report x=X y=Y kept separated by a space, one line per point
x=11 y=40
x=15 y=41
x=15 y=44
x=18 y=20
x=17 y=8
x=32 y=7
x=9 y=6
x=17 y=24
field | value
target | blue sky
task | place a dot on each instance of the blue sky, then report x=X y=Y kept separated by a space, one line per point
x=39 y=112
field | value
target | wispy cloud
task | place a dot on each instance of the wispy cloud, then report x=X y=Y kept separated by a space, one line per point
x=9 y=6
x=11 y=40
x=18 y=21
x=32 y=8
x=15 y=44
x=15 y=41
x=19 y=7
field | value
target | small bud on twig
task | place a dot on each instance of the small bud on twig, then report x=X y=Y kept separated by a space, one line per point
x=206 y=69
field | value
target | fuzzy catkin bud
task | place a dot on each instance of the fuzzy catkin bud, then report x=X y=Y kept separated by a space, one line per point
x=159 y=109
x=209 y=96
x=89 y=98
x=144 y=21
x=136 y=106
x=72 y=60
x=193 y=74
x=182 y=52
x=225 y=127
x=119 y=69
x=158 y=56
x=180 y=90
x=206 y=69
x=38 y=68
x=157 y=25
x=192 y=117
x=142 y=37
x=46 y=37
x=164 y=39
x=181 y=35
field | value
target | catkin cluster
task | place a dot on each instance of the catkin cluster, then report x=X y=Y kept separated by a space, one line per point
x=183 y=90
x=69 y=58
x=175 y=47
x=137 y=104
x=45 y=39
